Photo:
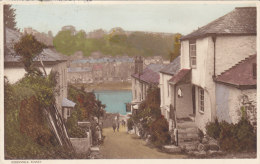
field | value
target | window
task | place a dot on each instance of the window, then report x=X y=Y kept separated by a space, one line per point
x=201 y=99
x=193 y=61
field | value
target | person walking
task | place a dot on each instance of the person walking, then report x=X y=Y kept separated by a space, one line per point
x=117 y=126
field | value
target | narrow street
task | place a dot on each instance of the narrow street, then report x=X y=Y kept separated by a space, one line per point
x=120 y=145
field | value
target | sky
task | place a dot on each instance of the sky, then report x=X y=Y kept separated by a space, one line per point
x=169 y=18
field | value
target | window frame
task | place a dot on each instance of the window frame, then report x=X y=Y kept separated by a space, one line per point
x=193 y=53
x=201 y=100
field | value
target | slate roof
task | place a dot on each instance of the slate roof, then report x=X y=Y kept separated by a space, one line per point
x=67 y=103
x=150 y=74
x=240 y=21
x=172 y=68
x=240 y=75
x=48 y=55
x=104 y=60
x=79 y=69
x=179 y=76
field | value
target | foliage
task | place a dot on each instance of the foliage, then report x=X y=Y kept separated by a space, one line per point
x=25 y=141
x=29 y=48
x=73 y=129
x=160 y=132
x=213 y=129
x=115 y=43
x=9 y=17
x=32 y=122
x=177 y=46
x=233 y=137
x=43 y=88
x=87 y=103
x=149 y=119
x=130 y=124
x=87 y=107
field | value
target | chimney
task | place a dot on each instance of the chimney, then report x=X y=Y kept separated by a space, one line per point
x=254 y=70
x=141 y=63
x=136 y=64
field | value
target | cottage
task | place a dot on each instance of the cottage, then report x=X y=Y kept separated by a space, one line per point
x=165 y=75
x=52 y=61
x=142 y=79
x=209 y=84
x=235 y=88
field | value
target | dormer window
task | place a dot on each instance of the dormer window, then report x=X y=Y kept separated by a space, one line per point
x=193 y=61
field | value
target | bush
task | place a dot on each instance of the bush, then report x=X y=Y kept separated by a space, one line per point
x=213 y=129
x=227 y=138
x=130 y=123
x=233 y=137
x=159 y=131
x=74 y=131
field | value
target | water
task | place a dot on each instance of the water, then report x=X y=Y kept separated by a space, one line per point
x=114 y=100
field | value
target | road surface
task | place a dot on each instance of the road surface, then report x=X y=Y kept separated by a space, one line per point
x=120 y=145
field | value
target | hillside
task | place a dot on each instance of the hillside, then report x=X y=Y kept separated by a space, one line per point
x=115 y=43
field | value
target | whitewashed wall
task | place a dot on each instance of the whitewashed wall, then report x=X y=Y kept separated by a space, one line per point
x=201 y=76
x=232 y=49
x=15 y=74
x=229 y=102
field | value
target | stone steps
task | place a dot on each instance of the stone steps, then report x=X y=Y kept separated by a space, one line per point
x=188 y=136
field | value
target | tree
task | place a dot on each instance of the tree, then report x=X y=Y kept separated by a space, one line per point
x=9 y=17
x=177 y=47
x=29 y=48
x=9 y=22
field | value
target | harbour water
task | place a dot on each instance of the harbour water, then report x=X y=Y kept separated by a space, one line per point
x=115 y=100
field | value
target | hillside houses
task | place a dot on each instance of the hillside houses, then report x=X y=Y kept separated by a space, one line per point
x=142 y=79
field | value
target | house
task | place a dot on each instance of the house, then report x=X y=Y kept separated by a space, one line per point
x=142 y=79
x=52 y=61
x=235 y=88
x=211 y=81
x=165 y=75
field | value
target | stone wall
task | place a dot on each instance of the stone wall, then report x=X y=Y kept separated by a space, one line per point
x=81 y=145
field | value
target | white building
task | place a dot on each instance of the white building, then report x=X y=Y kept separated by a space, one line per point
x=165 y=91
x=142 y=79
x=207 y=54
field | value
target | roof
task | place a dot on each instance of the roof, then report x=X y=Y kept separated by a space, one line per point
x=47 y=55
x=67 y=103
x=240 y=75
x=79 y=69
x=150 y=74
x=179 y=76
x=104 y=60
x=242 y=20
x=172 y=68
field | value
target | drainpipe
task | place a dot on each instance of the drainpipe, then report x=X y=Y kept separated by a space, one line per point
x=175 y=121
x=214 y=42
